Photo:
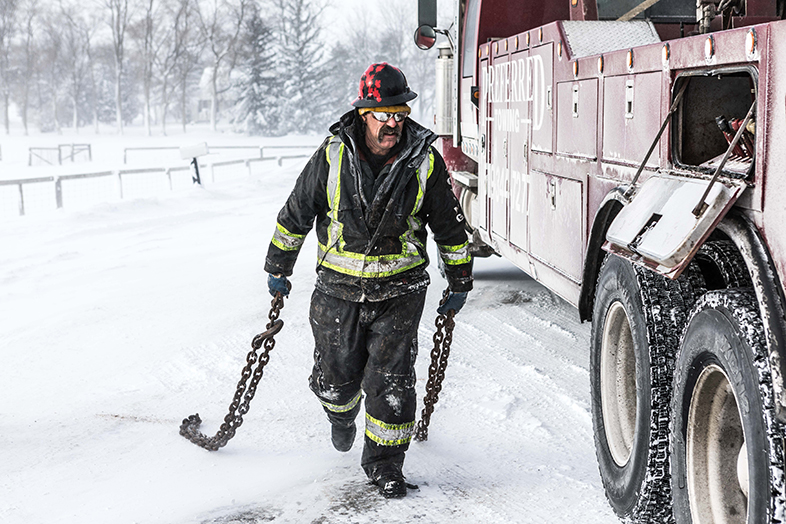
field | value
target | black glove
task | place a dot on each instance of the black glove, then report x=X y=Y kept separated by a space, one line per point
x=278 y=284
x=455 y=302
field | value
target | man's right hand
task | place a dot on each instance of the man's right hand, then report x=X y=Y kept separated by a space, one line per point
x=278 y=283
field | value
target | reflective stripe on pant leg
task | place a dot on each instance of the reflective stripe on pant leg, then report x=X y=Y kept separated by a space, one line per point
x=389 y=434
x=342 y=408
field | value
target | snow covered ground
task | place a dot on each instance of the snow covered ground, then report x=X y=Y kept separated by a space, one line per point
x=119 y=320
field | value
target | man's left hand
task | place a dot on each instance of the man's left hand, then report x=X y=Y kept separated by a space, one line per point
x=278 y=284
x=455 y=302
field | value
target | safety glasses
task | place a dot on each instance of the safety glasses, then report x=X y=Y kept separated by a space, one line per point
x=384 y=116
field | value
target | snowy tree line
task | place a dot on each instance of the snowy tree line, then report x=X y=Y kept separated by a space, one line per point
x=269 y=67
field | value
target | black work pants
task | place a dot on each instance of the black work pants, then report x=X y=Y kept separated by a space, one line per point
x=369 y=346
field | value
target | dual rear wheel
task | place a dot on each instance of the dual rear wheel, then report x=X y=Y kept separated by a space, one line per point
x=682 y=402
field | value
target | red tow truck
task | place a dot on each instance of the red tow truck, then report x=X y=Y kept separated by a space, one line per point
x=627 y=155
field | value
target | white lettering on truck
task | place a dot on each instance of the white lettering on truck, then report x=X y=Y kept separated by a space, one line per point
x=521 y=80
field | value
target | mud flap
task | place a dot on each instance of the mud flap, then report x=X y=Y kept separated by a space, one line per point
x=658 y=229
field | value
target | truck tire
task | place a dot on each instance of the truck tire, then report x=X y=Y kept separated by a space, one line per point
x=722 y=265
x=638 y=317
x=727 y=445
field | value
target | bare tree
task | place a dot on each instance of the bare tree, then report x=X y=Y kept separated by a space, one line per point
x=153 y=34
x=221 y=23
x=174 y=47
x=189 y=40
x=119 y=20
x=75 y=56
x=29 y=14
x=88 y=32
x=8 y=14
x=50 y=70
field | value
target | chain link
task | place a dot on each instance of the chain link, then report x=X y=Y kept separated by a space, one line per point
x=436 y=371
x=246 y=387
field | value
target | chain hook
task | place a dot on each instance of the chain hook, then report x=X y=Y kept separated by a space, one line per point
x=246 y=387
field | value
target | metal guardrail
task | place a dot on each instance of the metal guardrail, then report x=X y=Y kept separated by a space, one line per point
x=129 y=175
x=72 y=151
x=261 y=149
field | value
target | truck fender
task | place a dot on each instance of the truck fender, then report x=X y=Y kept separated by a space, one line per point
x=612 y=204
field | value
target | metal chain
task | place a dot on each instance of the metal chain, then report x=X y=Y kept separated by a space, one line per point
x=436 y=371
x=245 y=388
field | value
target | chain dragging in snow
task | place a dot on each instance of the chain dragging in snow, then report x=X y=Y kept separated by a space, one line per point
x=246 y=387
x=436 y=371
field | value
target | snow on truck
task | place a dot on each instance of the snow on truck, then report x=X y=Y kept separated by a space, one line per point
x=629 y=155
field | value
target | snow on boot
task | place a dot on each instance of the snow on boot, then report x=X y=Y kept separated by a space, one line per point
x=392 y=487
x=343 y=436
x=391 y=482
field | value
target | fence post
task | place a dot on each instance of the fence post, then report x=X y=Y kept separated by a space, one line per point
x=169 y=176
x=21 y=200
x=59 y=157
x=261 y=152
x=58 y=192
x=120 y=184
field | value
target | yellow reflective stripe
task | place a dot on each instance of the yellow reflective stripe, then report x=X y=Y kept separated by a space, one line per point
x=360 y=265
x=286 y=240
x=335 y=157
x=423 y=173
x=389 y=434
x=455 y=255
x=335 y=408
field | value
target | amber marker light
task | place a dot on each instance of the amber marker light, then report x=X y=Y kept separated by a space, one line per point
x=574 y=3
x=600 y=64
x=516 y=41
x=750 y=43
x=559 y=49
x=709 y=48
x=665 y=54
x=630 y=59
x=527 y=39
x=496 y=47
x=506 y=44
x=540 y=34
x=576 y=68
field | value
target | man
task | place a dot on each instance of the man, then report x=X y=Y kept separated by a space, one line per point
x=372 y=188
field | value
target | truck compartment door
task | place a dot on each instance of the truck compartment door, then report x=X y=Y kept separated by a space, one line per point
x=556 y=233
x=658 y=229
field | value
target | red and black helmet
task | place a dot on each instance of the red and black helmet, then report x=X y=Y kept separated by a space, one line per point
x=383 y=85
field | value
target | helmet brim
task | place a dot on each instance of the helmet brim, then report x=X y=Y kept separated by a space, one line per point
x=389 y=101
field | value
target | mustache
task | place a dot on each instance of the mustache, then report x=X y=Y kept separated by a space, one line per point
x=395 y=131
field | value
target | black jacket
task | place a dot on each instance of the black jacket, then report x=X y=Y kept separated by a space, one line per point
x=373 y=225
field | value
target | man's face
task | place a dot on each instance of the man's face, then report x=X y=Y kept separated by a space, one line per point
x=381 y=136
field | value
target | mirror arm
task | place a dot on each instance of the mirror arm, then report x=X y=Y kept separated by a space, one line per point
x=446 y=32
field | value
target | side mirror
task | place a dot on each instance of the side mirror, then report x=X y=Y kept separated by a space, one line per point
x=425 y=37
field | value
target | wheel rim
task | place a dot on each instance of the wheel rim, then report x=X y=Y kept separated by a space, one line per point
x=618 y=384
x=716 y=455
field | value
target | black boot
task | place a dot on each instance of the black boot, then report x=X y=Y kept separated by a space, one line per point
x=391 y=482
x=342 y=435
